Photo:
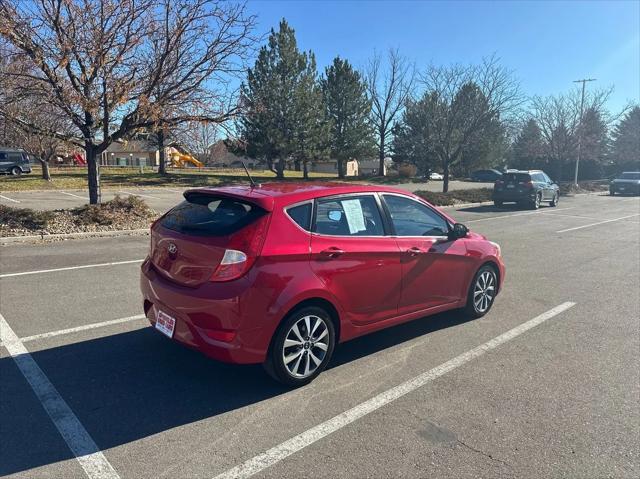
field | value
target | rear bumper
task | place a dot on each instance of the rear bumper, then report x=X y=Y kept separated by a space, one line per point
x=200 y=313
x=517 y=196
x=624 y=189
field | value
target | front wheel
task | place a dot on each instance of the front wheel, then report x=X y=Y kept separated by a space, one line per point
x=302 y=347
x=497 y=204
x=555 y=200
x=16 y=171
x=482 y=292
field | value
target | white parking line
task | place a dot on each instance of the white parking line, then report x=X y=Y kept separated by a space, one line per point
x=75 y=196
x=85 y=327
x=295 y=444
x=138 y=194
x=598 y=223
x=92 y=460
x=68 y=268
x=517 y=214
x=9 y=199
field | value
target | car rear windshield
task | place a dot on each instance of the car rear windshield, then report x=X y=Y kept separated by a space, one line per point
x=631 y=175
x=516 y=177
x=207 y=215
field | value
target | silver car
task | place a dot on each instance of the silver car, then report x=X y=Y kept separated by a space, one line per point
x=628 y=183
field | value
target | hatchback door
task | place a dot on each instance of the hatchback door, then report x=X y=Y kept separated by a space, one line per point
x=357 y=263
x=434 y=268
x=190 y=241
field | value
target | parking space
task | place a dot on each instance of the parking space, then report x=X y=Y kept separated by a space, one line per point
x=546 y=385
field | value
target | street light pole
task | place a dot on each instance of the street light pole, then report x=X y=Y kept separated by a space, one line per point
x=584 y=82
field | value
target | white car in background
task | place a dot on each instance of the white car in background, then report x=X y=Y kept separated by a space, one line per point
x=436 y=176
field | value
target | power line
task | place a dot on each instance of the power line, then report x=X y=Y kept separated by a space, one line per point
x=584 y=82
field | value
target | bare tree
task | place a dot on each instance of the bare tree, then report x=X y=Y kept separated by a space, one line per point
x=43 y=135
x=197 y=137
x=389 y=86
x=114 y=67
x=558 y=117
x=465 y=100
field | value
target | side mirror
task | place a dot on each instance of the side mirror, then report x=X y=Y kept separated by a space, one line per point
x=458 y=231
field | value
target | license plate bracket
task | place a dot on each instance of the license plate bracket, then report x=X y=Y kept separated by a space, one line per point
x=165 y=324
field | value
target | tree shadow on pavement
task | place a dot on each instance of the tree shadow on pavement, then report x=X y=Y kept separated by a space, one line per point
x=129 y=386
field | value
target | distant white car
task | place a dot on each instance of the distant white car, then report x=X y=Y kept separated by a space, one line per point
x=436 y=176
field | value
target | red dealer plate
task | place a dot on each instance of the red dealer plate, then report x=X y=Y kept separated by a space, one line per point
x=165 y=323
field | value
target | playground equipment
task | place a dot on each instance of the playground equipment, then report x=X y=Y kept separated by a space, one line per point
x=179 y=160
x=78 y=160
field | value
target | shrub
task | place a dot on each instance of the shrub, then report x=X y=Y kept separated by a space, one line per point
x=111 y=211
x=24 y=218
x=475 y=195
x=407 y=170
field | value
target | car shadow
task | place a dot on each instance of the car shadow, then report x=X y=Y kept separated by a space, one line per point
x=492 y=208
x=132 y=385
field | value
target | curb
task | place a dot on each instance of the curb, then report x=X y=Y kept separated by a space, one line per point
x=87 y=234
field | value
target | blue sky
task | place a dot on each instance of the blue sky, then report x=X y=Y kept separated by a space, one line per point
x=547 y=43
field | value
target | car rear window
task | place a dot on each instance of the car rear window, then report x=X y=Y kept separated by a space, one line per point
x=207 y=215
x=516 y=177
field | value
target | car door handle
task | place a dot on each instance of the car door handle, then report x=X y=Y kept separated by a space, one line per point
x=414 y=251
x=332 y=252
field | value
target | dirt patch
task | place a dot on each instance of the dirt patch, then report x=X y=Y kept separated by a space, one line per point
x=568 y=189
x=118 y=214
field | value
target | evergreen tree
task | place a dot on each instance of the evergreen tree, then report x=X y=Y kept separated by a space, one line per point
x=594 y=144
x=275 y=125
x=311 y=129
x=347 y=107
x=412 y=142
x=625 y=146
x=528 y=148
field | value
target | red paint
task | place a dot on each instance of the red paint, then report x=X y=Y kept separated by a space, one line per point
x=370 y=282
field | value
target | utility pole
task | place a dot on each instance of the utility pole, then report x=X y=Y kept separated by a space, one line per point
x=584 y=82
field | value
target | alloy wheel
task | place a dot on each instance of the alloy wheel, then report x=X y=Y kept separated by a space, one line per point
x=484 y=291
x=305 y=346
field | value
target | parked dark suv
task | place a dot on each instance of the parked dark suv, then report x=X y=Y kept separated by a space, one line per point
x=628 y=183
x=527 y=188
x=14 y=162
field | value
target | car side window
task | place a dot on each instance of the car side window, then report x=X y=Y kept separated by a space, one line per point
x=546 y=178
x=349 y=216
x=301 y=214
x=3 y=155
x=411 y=218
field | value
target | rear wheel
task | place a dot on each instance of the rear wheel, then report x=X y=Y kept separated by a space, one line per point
x=482 y=292
x=536 y=202
x=497 y=203
x=16 y=171
x=302 y=347
x=555 y=200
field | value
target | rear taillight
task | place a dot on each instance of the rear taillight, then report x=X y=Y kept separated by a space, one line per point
x=527 y=184
x=232 y=266
x=499 y=183
x=243 y=248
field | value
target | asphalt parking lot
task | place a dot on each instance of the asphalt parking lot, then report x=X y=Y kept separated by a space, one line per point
x=546 y=385
x=160 y=198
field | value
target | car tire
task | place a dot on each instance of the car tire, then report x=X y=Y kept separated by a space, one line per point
x=16 y=171
x=482 y=292
x=555 y=200
x=498 y=204
x=612 y=193
x=536 y=202
x=310 y=356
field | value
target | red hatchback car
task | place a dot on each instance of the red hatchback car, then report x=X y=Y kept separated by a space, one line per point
x=280 y=273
